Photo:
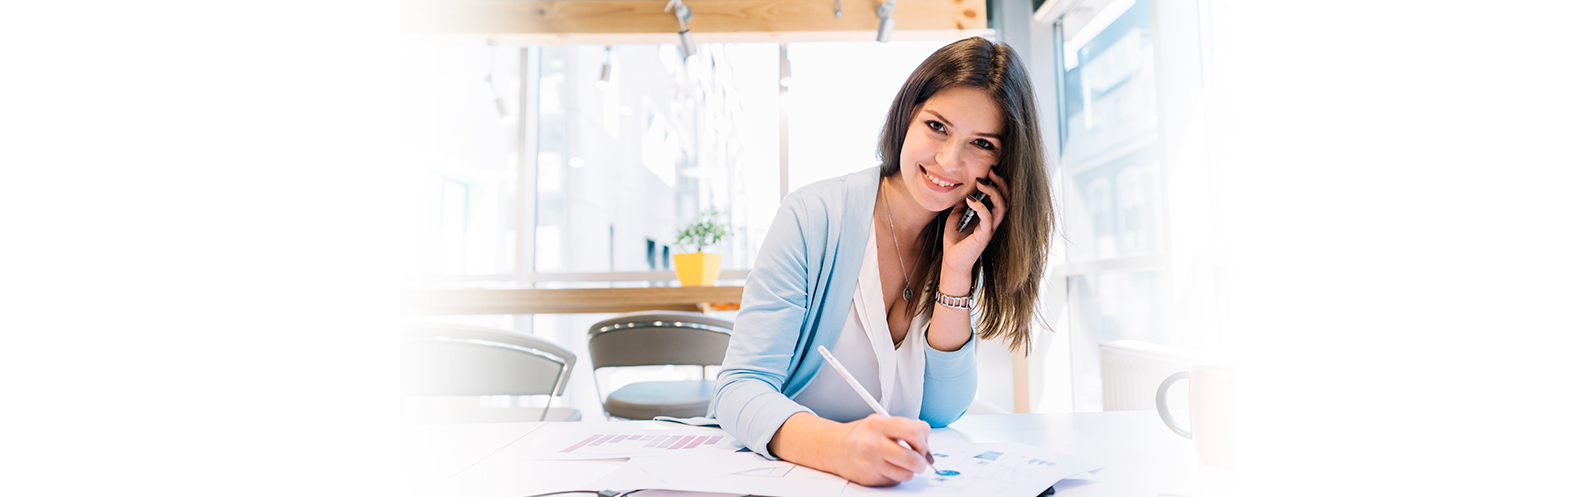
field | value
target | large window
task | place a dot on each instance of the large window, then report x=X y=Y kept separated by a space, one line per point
x=634 y=141
x=1133 y=175
x=461 y=158
x=839 y=95
x=1112 y=167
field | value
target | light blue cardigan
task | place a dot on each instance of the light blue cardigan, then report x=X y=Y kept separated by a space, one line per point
x=797 y=298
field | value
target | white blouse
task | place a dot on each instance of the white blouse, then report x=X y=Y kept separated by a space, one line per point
x=894 y=375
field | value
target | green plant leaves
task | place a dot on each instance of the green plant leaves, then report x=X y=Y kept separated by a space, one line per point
x=703 y=233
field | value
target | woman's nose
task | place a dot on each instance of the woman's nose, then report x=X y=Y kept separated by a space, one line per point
x=948 y=154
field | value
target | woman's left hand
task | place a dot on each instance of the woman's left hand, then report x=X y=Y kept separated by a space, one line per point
x=960 y=250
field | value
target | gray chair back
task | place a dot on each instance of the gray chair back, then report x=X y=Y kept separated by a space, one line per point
x=659 y=338
x=457 y=360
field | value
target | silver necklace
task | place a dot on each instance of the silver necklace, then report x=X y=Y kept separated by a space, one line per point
x=907 y=292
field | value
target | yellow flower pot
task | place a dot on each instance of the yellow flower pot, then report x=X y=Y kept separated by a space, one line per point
x=697 y=269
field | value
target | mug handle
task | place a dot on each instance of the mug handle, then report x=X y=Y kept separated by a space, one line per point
x=1160 y=404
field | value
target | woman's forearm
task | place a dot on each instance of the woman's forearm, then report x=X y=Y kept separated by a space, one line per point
x=802 y=439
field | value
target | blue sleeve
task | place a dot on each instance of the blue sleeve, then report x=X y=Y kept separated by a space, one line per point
x=950 y=381
x=748 y=399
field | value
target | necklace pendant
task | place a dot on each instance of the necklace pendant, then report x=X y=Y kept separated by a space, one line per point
x=907 y=294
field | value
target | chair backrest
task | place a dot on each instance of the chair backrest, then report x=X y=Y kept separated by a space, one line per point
x=455 y=360
x=657 y=338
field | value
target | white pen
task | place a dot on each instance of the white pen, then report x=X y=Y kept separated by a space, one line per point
x=873 y=404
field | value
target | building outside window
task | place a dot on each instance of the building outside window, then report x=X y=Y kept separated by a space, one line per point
x=1132 y=177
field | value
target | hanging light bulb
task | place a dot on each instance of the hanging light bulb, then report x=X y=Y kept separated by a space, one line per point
x=886 y=22
x=605 y=70
x=687 y=43
x=506 y=117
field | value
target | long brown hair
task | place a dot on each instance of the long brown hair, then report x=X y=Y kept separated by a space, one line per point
x=1009 y=272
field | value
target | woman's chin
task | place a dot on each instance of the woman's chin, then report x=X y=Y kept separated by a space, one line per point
x=939 y=205
x=932 y=200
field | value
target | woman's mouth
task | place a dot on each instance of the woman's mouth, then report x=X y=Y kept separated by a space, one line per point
x=937 y=181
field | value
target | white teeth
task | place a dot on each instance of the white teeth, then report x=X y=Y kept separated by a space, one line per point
x=938 y=181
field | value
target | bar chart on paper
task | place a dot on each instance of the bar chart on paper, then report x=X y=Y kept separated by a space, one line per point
x=602 y=442
x=608 y=442
x=987 y=469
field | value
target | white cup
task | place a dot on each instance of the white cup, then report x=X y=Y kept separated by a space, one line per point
x=1209 y=412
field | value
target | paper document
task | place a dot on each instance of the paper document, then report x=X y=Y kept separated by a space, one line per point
x=604 y=441
x=779 y=479
x=678 y=457
x=986 y=469
x=708 y=465
x=980 y=469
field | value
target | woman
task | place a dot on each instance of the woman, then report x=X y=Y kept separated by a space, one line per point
x=872 y=266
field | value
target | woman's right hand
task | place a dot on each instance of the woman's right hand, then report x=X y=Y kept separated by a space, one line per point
x=873 y=456
x=863 y=451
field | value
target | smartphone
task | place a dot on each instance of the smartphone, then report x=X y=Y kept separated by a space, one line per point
x=970 y=214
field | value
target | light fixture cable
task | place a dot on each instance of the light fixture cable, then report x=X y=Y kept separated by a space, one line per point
x=506 y=117
x=683 y=15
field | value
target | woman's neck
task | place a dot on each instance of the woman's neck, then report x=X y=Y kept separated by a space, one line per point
x=906 y=214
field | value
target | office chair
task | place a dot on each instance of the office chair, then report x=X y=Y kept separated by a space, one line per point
x=446 y=367
x=658 y=338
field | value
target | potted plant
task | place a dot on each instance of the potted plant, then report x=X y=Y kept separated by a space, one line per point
x=697 y=268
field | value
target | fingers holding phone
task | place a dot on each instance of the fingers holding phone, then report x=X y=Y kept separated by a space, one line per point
x=973 y=224
x=969 y=216
x=994 y=189
x=985 y=203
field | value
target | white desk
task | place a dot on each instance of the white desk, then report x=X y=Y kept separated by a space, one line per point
x=1142 y=457
x=433 y=453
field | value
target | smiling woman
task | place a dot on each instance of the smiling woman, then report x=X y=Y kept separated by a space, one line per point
x=850 y=262
x=978 y=91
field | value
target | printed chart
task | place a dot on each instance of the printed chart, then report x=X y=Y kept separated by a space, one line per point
x=594 y=441
x=656 y=442
x=987 y=469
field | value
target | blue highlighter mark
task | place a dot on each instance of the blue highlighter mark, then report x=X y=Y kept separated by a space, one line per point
x=949 y=472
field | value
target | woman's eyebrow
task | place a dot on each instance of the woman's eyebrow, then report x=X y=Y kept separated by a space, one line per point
x=941 y=117
x=949 y=123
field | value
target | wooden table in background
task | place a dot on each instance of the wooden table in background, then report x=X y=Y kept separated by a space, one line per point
x=567 y=300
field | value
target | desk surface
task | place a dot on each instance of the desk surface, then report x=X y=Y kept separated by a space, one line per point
x=567 y=300
x=433 y=453
x=1142 y=457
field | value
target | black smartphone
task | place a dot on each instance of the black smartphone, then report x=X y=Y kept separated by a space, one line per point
x=969 y=216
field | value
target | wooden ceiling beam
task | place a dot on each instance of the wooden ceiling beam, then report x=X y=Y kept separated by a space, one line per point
x=634 y=18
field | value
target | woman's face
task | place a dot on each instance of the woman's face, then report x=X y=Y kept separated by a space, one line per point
x=953 y=139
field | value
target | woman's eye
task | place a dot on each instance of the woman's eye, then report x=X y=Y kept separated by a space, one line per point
x=935 y=125
x=984 y=144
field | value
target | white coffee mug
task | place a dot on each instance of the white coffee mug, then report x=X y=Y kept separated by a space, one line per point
x=1209 y=412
